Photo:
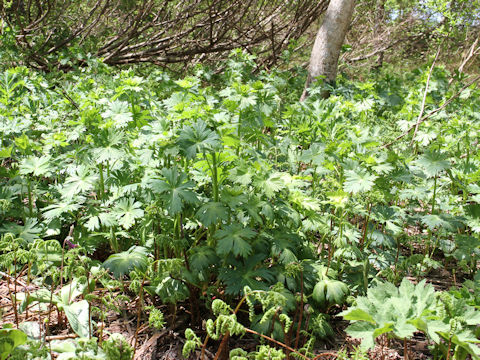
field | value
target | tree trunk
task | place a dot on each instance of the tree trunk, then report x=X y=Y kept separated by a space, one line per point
x=328 y=43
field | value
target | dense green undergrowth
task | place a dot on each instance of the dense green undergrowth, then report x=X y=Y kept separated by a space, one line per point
x=258 y=213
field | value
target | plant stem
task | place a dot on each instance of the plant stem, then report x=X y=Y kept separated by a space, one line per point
x=12 y=299
x=365 y=226
x=434 y=193
x=449 y=347
x=30 y=200
x=139 y=314
x=297 y=338
x=102 y=182
x=214 y=177
x=276 y=342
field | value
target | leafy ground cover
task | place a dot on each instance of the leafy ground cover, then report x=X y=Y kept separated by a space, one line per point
x=220 y=213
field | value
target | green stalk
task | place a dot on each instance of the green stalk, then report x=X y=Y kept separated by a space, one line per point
x=239 y=130
x=30 y=199
x=434 y=193
x=113 y=241
x=214 y=177
x=366 y=266
x=102 y=181
x=132 y=107
x=468 y=149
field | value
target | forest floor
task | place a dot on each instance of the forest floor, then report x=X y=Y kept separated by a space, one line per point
x=166 y=344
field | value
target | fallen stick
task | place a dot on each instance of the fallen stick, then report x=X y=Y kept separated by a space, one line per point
x=433 y=112
x=60 y=337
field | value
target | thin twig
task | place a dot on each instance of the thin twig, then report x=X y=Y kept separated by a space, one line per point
x=422 y=108
x=473 y=51
x=433 y=112
x=18 y=281
x=60 y=337
x=276 y=342
x=325 y=354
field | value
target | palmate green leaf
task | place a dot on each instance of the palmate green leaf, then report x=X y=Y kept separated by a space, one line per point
x=466 y=247
x=303 y=201
x=242 y=174
x=433 y=163
x=63 y=207
x=271 y=184
x=169 y=290
x=30 y=231
x=357 y=314
x=233 y=239
x=202 y=257
x=472 y=212
x=197 y=138
x=106 y=219
x=37 y=166
x=364 y=331
x=386 y=308
x=108 y=154
x=442 y=221
x=368 y=332
x=249 y=272
x=123 y=263
x=211 y=213
x=5 y=152
x=175 y=190
x=358 y=180
x=315 y=154
x=433 y=221
x=119 y=112
x=110 y=146
x=81 y=181
x=127 y=211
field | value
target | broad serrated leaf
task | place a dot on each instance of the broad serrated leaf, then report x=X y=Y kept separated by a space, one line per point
x=197 y=138
x=81 y=181
x=123 y=263
x=211 y=213
x=202 y=257
x=175 y=190
x=234 y=239
x=37 y=166
x=247 y=272
x=127 y=211
x=63 y=207
x=357 y=314
x=304 y=202
x=119 y=112
x=433 y=163
x=358 y=180
x=270 y=185
x=364 y=331
x=29 y=231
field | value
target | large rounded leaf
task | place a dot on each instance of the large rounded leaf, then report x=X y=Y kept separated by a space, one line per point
x=328 y=292
x=122 y=263
x=78 y=317
x=9 y=340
